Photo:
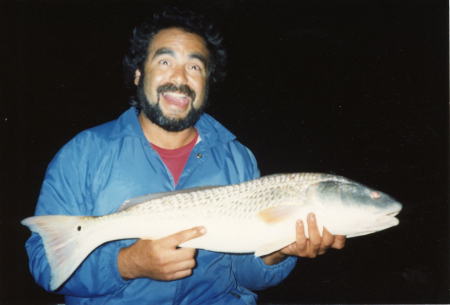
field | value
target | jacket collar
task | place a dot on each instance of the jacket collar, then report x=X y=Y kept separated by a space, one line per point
x=211 y=131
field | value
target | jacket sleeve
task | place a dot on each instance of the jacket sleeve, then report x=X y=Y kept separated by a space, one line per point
x=67 y=190
x=252 y=273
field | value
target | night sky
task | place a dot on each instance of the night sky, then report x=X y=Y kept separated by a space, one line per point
x=356 y=88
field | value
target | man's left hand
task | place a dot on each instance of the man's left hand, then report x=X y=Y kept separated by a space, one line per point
x=311 y=247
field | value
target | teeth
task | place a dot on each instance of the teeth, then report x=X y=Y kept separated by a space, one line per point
x=175 y=94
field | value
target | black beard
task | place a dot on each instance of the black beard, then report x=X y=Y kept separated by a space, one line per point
x=154 y=113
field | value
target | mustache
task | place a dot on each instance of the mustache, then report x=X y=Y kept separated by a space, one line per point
x=185 y=89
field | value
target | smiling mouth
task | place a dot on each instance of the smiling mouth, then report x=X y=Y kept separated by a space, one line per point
x=177 y=99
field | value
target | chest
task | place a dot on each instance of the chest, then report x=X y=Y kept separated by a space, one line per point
x=139 y=170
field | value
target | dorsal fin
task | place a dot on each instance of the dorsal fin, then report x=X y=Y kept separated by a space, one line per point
x=144 y=198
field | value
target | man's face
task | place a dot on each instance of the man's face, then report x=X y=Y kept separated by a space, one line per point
x=172 y=89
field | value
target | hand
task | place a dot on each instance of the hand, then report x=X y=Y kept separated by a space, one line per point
x=159 y=259
x=308 y=247
x=314 y=245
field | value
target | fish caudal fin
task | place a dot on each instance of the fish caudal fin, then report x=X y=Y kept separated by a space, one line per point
x=67 y=241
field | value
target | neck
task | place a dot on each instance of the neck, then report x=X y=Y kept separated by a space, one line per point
x=163 y=138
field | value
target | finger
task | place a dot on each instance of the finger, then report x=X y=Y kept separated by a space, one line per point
x=290 y=249
x=327 y=241
x=180 y=270
x=184 y=253
x=314 y=234
x=183 y=236
x=339 y=242
x=179 y=275
x=181 y=265
x=301 y=240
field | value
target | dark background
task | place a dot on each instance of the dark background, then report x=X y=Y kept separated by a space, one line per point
x=356 y=88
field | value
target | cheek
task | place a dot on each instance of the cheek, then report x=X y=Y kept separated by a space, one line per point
x=200 y=90
x=153 y=76
x=199 y=85
x=150 y=86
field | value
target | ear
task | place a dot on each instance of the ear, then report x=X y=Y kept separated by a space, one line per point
x=137 y=76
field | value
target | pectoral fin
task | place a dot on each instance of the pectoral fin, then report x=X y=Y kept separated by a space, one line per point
x=278 y=213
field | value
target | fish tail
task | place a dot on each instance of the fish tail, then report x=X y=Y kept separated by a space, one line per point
x=67 y=242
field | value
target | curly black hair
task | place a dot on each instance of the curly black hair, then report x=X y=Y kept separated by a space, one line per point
x=174 y=17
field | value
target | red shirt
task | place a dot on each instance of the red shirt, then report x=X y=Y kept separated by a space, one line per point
x=176 y=159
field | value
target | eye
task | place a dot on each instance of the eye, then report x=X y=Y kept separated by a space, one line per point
x=164 y=62
x=195 y=67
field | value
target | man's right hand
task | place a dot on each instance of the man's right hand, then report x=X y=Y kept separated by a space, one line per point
x=159 y=259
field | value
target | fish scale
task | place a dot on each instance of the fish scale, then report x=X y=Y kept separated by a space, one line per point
x=234 y=200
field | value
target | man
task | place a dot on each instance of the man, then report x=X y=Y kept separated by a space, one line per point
x=164 y=142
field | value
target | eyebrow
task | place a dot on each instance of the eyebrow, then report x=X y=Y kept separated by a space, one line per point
x=200 y=57
x=162 y=51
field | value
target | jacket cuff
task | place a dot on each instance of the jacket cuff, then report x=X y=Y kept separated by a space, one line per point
x=113 y=269
x=288 y=263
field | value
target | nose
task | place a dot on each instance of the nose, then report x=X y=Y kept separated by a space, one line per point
x=179 y=76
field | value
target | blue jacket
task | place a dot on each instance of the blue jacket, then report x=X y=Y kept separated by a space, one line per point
x=102 y=167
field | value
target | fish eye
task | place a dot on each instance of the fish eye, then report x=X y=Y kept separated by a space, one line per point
x=375 y=195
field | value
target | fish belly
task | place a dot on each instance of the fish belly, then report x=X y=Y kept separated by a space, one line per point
x=244 y=236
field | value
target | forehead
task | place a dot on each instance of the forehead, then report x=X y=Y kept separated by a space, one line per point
x=179 y=41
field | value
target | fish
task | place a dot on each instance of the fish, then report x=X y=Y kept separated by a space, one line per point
x=257 y=216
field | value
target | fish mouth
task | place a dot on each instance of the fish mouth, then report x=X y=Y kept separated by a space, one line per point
x=393 y=211
x=387 y=221
x=382 y=222
x=393 y=214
